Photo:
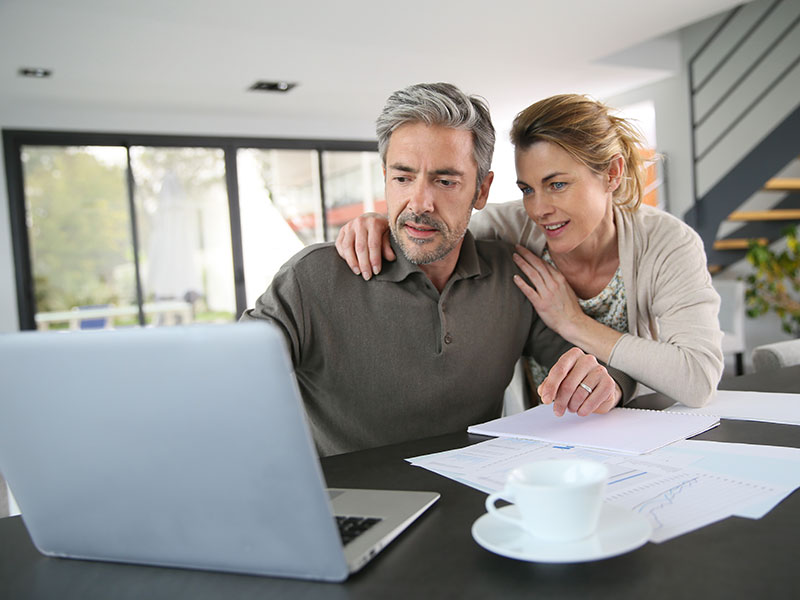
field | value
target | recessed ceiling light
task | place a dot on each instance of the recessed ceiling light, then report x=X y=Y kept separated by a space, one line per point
x=272 y=86
x=36 y=72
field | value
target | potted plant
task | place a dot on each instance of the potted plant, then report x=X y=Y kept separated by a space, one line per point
x=775 y=285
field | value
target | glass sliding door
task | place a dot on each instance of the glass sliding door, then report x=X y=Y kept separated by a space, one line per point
x=281 y=203
x=353 y=185
x=184 y=231
x=281 y=210
x=79 y=235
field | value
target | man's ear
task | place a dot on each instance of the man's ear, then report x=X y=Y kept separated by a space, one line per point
x=616 y=169
x=483 y=191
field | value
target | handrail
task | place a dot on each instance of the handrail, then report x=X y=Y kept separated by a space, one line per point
x=714 y=34
x=742 y=40
x=739 y=81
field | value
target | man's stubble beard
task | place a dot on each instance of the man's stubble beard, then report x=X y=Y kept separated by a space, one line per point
x=450 y=238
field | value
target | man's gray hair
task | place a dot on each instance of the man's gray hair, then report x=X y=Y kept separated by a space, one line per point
x=440 y=104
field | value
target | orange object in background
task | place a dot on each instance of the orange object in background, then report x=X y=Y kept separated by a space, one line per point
x=651 y=197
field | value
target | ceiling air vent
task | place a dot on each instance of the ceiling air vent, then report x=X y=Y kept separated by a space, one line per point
x=271 y=86
x=36 y=72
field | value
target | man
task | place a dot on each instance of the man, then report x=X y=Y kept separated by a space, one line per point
x=429 y=345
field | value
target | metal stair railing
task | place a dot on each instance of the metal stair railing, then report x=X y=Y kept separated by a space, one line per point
x=747 y=69
x=731 y=75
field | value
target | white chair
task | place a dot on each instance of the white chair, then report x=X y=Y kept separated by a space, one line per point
x=518 y=393
x=776 y=355
x=731 y=319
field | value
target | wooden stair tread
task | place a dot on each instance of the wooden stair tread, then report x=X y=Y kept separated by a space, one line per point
x=783 y=184
x=736 y=243
x=778 y=214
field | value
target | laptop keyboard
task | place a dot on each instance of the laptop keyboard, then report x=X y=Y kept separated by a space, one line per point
x=352 y=527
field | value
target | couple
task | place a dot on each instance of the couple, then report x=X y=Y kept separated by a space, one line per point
x=428 y=345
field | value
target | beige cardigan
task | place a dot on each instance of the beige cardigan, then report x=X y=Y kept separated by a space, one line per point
x=673 y=344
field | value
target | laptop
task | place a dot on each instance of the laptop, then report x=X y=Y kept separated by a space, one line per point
x=180 y=447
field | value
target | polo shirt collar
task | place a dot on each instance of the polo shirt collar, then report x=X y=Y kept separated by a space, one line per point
x=469 y=263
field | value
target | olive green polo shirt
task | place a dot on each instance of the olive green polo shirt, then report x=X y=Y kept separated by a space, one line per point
x=391 y=359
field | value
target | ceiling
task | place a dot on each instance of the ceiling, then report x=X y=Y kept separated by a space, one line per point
x=198 y=57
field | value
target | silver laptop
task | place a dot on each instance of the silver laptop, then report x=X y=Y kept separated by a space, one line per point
x=183 y=447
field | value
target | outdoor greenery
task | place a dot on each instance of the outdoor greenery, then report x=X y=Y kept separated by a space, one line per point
x=78 y=226
x=79 y=220
x=775 y=285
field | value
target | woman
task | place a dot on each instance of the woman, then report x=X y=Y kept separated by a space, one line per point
x=623 y=281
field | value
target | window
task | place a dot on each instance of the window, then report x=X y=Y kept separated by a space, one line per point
x=353 y=185
x=78 y=226
x=281 y=210
x=125 y=230
x=184 y=232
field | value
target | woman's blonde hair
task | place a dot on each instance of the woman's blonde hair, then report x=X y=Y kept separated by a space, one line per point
x=584 y=128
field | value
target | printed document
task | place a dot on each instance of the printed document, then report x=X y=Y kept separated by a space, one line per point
x=680 y=488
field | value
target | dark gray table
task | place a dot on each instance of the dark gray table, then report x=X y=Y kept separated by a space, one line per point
x=437 y=557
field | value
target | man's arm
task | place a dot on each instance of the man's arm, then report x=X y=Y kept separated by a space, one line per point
x=282 y=304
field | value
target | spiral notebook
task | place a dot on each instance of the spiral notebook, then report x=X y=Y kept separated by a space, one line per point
x=626 y=430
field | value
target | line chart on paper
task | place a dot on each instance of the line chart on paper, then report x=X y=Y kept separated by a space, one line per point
x=680 y=502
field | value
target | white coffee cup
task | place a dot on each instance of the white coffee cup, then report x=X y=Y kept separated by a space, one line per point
x=558 y=500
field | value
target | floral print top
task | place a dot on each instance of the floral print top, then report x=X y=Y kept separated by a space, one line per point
x=609 y=307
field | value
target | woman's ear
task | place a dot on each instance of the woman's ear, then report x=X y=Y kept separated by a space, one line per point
x=616 y=169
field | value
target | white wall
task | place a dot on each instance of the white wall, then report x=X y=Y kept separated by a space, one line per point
x=670 y=98
x=504 y=186
x=193 y=122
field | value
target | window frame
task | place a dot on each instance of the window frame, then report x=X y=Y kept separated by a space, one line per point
x=15 y=139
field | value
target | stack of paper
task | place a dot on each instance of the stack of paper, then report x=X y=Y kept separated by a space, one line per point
x=627 y=430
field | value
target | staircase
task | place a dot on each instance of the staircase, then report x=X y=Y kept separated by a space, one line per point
x=764 y=226
x=745 y=112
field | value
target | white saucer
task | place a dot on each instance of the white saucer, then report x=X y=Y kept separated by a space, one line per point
x=618 y=531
